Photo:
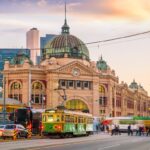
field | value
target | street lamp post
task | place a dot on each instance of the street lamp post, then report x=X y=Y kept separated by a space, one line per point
x=114 y=100
x=4 y=100
x=43 y=100
x=64 y=96
x=29 y=92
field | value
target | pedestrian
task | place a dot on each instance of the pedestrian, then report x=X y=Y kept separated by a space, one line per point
x=107 y=128
x=97 y=128
x=129 y=129
x=136 y=129
x=118 y=130
x=140 y=130
x=112 y=129
x=148 y=131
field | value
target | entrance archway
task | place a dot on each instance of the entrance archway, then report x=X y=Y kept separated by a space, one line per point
x=77 y=105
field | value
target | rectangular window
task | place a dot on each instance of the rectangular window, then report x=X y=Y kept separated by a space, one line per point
x=85 y=84
x=80 y=120
x=138 y=106
x=144 y=106
x=70 y=83
x=37 y=99
x=62 y=83
x=102 y=111
x=44 y=118
x=73 y=84
x=103 y=101
x=67 y=118
x=78 y=84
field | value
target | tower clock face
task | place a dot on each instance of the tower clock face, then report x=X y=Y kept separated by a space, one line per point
x=76 y=72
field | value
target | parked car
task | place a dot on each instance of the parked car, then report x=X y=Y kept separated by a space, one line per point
x=14 y=131
x=2 y=127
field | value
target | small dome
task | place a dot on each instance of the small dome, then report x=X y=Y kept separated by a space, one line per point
x=20 y=59
x=101 y=64
x=133 y=85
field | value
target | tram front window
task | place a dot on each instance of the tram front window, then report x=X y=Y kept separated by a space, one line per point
x=53 y=118
x=50 y=118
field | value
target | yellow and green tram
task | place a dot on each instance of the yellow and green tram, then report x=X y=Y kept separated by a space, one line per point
x=65 y=123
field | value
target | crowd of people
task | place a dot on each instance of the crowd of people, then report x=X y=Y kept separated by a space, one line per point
x=138 y=130
x=131 y=129
x=135 y=129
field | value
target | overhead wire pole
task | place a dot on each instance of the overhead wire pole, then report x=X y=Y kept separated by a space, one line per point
x=4 y=98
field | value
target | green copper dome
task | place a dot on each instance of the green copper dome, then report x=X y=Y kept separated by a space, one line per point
x=133 y=85
x=101 y=64
x=66 y=44
x=20 y=58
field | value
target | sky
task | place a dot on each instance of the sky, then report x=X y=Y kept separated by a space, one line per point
x=89 y=20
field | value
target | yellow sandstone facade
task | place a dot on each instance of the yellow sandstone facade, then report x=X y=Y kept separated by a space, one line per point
x=67 y=76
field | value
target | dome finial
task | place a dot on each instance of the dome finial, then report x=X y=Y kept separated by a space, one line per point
x=65 y=27
x=101 y=57
x=65 y=13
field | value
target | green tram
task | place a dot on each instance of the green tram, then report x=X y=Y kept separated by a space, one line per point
x=65 y=123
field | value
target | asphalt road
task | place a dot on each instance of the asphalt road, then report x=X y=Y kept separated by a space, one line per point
x=112 y=143
x=94 y=142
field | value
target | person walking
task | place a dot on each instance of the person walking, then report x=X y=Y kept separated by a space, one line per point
x=112 y=129
x=148 y=131
x=129 y=129
x=118 y=130
x=107 y=128
x=136 y=129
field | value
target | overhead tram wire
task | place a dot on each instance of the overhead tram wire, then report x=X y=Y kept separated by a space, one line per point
x=119 y=38
x=107 y=40
x=115 y=42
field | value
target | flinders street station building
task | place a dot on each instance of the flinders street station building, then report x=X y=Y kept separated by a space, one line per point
x=66 y=76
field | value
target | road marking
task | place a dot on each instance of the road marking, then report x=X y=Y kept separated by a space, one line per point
x=110 y=146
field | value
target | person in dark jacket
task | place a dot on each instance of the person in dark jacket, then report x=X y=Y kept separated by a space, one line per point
x=129 y=129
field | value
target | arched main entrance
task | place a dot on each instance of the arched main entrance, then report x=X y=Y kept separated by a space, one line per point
x=77 y=105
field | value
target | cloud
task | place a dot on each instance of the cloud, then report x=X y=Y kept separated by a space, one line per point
x=42 y=3
x=98 y=9
x=114 y=9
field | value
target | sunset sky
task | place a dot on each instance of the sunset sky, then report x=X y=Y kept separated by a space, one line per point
x=89 y=20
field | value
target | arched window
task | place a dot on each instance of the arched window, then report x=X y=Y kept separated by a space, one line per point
x=101 y=89
x=16 y=91
x=102 y=97
x=38 y=93
x=37 y=86
x=15 y=85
